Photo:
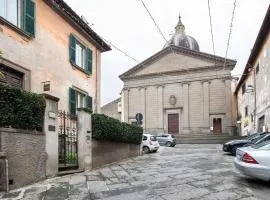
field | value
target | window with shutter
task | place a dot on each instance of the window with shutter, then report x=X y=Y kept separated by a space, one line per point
x=72 y=101
x=88 y=102
x=78 y=99
x=72 y=49
x=89 y=61
x=29 y=17
x=21 y=13
x=79 y=55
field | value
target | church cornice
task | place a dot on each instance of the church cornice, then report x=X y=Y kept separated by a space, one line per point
x=172 y=73
x=179 y=50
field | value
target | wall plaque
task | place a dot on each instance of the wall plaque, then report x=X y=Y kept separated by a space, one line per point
x=51 y=128
x=172 y=100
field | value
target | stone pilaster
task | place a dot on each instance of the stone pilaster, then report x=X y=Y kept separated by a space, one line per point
x=84 y=140
x=186 y=105
x=51 y=127
x=206 y=106
x=160 y=107
x=143 y=104
x=228 y=103
x=125 y=109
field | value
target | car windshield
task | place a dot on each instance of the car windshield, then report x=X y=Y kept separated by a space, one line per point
x=153 y=138
x=262 y=146
x=254 y=140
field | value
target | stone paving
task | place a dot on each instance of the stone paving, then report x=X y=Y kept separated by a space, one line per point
x=184 y=172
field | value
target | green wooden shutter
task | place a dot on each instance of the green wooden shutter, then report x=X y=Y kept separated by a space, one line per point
x=72 y=49
x=88 y=102
x=29 y=25
x=89 y=56
x=72 y=101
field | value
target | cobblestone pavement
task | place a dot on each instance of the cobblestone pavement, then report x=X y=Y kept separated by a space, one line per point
x=184 y=172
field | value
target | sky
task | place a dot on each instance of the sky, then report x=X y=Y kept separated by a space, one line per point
x=127 y=25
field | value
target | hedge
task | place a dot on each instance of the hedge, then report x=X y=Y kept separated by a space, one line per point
x=21 y=109
x=109 y=129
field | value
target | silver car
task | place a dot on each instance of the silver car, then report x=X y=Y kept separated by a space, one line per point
x=166 y=139
x=254 y=160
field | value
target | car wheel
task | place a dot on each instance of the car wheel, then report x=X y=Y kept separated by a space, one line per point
x=155 y=151
x=168 y=144
x=146 y=149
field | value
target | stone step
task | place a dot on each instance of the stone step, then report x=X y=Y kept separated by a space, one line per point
x=204 y=139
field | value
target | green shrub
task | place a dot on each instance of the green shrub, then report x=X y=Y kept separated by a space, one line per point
x=21 y=109
x=109 y=129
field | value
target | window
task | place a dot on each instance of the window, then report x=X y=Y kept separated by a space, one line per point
x=243 y=88
x=78 y=100
x=246 y=111
x=257 y=69
x=80 y=56
x=11 y=76
x=20 y=13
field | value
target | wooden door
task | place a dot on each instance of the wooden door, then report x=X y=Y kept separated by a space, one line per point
x=217 y=126
x=173 y=123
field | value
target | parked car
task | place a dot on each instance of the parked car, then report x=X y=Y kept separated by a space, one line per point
x=166 y=139
x=150 y=143
x=254 y=160
x=255 y=138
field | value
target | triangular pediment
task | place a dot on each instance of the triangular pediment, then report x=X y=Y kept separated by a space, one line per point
x=176 y=59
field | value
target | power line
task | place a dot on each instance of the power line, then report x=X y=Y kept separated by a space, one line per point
x=230 y=33
x=159 y=30
x=123 y=52
x=211 y=27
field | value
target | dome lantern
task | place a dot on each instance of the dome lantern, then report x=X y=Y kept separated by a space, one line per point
x=181 y=39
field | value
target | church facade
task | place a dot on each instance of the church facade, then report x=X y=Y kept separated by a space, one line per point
x=180 y=90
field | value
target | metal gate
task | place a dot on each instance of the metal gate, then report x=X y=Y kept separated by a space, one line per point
x=68 y=141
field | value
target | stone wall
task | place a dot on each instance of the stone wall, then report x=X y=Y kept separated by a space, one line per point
x=108 y=152
x=26 y=155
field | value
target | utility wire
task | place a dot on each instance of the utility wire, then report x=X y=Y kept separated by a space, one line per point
x=230 y=33
x=123 y=52
x=211 y=27
x=159 y=30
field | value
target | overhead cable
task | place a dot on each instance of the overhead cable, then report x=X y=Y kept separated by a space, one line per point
x=211 y=27
x=230 y=33
x=159 y=30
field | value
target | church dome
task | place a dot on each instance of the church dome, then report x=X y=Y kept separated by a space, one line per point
x=181 y=39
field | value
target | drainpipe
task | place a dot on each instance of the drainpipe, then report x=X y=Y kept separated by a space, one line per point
x=96 y=98
x=255 y=103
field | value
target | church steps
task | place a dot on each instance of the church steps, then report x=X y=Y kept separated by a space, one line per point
x=204 y=139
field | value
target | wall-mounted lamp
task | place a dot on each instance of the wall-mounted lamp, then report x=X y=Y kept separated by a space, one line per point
x=46 y=86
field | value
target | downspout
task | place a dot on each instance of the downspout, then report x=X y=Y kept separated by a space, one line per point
x=96 y=98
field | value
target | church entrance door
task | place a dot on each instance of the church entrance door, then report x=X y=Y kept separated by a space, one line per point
x=173 y=123
x=217 y=126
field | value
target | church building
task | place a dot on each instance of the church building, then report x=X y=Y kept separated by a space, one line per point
x=180 y=90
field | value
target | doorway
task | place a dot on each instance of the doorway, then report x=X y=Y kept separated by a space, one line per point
x=217 y=125
x=173 y=123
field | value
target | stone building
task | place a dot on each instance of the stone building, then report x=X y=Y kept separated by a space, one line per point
x=47 y=47
x=253 y=89
x=113 y=109
x=180 y=89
